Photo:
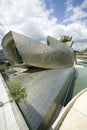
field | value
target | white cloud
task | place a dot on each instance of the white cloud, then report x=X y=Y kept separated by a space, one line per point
x=31 y=18
x=84 y=4
x=69 y=5
x=75 y=18
x=75 y=12
x=28 y=17
x=78 y=30
x=80 y=46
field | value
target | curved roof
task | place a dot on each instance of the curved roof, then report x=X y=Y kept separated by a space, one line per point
x=34 y=53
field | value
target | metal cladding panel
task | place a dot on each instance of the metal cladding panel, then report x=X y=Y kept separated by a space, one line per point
x=41 y=55
x=45 y=90
x=69 y=43
x=59 y=44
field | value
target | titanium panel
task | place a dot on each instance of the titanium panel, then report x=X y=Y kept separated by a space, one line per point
x=33 y=53
x=56 y=43
x=46 y=91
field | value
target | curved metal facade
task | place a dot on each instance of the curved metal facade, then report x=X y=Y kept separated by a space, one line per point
x=46 y=88
x=33 y=53
x=46 y=91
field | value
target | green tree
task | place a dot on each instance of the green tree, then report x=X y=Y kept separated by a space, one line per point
x=17 y=92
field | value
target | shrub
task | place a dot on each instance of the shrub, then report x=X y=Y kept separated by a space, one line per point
x=17 y=92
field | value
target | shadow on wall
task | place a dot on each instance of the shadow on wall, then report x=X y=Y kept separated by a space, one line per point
x=70 y=94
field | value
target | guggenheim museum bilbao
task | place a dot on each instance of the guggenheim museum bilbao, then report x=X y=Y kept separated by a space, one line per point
x=48 y=76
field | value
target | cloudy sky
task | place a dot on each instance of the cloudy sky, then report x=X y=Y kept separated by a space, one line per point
x=40 y=18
